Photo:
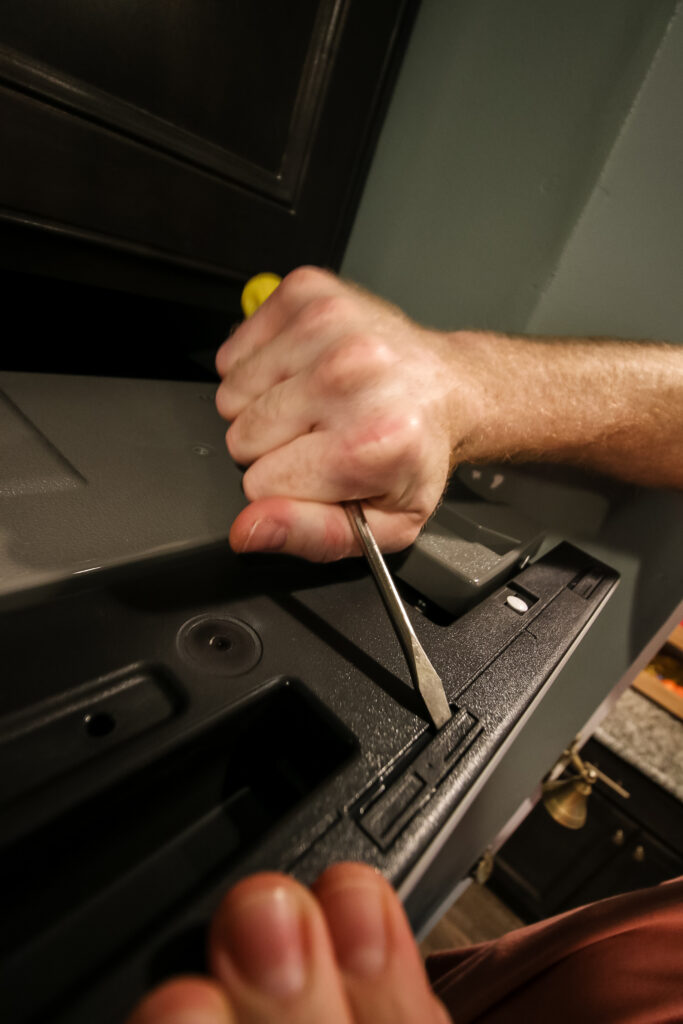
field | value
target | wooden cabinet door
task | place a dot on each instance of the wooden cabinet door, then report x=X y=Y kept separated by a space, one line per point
x=641 y=862
x=543 y=868
x=194 y=141
x=542 y=865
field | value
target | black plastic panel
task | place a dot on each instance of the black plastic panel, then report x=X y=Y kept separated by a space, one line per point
x=183 y=818
x=180 y=758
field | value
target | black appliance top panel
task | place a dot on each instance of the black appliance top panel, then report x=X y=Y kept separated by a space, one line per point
x=164 y=733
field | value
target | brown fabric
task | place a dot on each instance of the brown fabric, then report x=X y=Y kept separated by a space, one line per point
x=619 y=961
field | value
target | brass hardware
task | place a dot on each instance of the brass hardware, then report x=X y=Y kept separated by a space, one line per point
x=484 y=868
x=566 y=799
x=639 y=854
x=618 y=837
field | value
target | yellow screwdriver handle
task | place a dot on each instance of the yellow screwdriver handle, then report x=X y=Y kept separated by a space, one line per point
x=256 y=291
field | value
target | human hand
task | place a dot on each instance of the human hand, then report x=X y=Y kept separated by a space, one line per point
x=335 y=395
x=342 y=953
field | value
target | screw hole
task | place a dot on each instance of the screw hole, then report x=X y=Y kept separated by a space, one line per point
x=220 y=643
x=100 y=724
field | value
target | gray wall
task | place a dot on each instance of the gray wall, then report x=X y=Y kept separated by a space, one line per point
x=621 y=270
x=528 y=176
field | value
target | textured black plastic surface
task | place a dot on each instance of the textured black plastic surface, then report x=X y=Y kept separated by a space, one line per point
x=393 y=804
x=311 y=748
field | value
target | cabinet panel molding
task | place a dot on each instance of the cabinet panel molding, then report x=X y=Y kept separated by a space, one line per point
x=211 y=137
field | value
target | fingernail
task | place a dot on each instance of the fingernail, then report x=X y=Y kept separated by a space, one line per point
x=183 y=1001
x=355 y=916
x=265 y=535
x=263 y=935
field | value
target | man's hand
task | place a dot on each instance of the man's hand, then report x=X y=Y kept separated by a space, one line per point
x=335 y=395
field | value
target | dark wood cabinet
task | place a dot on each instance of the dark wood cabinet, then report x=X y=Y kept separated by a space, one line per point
x=640 y=861
x=544 y=868
x=171 y=150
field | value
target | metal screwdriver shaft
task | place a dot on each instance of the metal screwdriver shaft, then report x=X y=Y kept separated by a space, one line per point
x=425 y=677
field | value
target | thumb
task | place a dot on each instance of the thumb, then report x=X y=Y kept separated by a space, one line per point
x=309 y=529
x=315 y=530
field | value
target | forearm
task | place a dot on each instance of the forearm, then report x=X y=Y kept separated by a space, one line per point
x=612 y=406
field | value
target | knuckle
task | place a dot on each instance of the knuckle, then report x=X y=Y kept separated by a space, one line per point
x=371 y=349
x=411 y=438
x=346 y=366
x=401 y=438
x=252 y=485
x=321 y=312
x=331 y=374
x=359 y=462
x=382 y=451
x=225 y=356
x=250 y=431
x=227 y=403
x=234 y=442
x=221 y=360
x=298 y=283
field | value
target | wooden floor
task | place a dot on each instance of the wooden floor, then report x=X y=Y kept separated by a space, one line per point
x=476 y=916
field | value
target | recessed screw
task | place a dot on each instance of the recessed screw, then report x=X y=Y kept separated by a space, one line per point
x=220 y=643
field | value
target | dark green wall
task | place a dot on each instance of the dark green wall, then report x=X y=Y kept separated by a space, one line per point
x=486 y=202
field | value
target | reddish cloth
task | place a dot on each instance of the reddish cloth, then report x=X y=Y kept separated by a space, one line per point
x=619 y=961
